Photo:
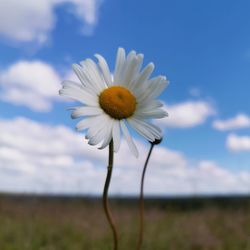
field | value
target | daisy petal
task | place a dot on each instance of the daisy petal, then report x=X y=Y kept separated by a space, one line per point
x=77 y=69
x=86 y=123
x=116 y=134
x=120 y=61
x=77 y=92
x=144 y=75
x=100 y=135
x=97 y=138
x=137 y=67
x=94 y=73
x=79 y=87
x=155 y=130
x=155 y=87
x=156 y=114
x=148 y=87
x=147 y=130
x=108 y=136
x=129 y=139
x=105 y=69
x=85 y=79
x=86 y=111
x=129 y=69
x=162 y=85
x=95 y=134
x=68 y=83
x=149 y=105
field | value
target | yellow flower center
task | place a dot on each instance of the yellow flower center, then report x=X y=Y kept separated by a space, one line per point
x=118 y=102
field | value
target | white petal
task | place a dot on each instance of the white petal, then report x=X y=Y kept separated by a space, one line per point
x=157 y=91
x=94 y=73
x=116 y=134
x=130 y=69
x=86 y=123
x=154 y=88
x=152 y=127
x=68 y=83
x=102 y=132
x=71 y=84
x=84 y=73
x=144 y=75
x=156 y=114
x=77 y=69
x=78 y=94
x=97 y=138
x=92 y=131
x=84 y=77
x=129 y=139
x=97 y=132
x=147 y=87
x=141 y=130
x=139 y=61
x=137 y=67
x=86 y=111
x=108 y=135
x=119 y=66
x=149 y=105
x=146 y=130
x=105 y=69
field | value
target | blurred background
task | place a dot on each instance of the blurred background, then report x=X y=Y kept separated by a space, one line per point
x=198 y=181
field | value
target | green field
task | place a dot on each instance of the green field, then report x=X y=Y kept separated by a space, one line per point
x=79 y=224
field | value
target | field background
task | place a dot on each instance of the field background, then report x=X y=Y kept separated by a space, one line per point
x=56 y=223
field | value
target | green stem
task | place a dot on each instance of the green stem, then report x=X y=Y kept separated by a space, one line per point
x=105 y=196
x=141 y=229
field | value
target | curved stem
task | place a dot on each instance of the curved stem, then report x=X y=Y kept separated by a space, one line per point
x=139 y=244
x=105 y=196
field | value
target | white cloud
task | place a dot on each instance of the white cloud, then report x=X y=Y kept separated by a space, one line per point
x=33 y=84
x=57 y=159
x=238 y=143
x=187 y=114
x=210 y=176
x=35 y=157
x=29 y=20
x=237 y=122
x=87 y=12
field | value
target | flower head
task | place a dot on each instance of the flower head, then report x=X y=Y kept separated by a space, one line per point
x=109 y=103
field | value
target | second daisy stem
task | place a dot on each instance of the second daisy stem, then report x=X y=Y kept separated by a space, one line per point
x=105 y=196
x=141 y=229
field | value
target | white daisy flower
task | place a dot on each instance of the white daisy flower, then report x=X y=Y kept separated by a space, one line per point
x=110 y=104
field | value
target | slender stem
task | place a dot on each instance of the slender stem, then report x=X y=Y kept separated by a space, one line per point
x=105 y=196
x=139 y=244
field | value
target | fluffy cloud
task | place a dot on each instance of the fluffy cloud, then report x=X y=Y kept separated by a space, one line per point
x=56 y=159
x=35 y=157
x=29 y=20
x=32 y=84
x=187 y=114
x=238 y=143
x=237 y=122
x=87 y=12
x=210 y=176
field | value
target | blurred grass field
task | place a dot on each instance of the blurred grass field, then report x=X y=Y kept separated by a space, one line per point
x=40 y=223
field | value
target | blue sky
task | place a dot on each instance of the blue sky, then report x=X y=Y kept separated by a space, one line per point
x=203 y=47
